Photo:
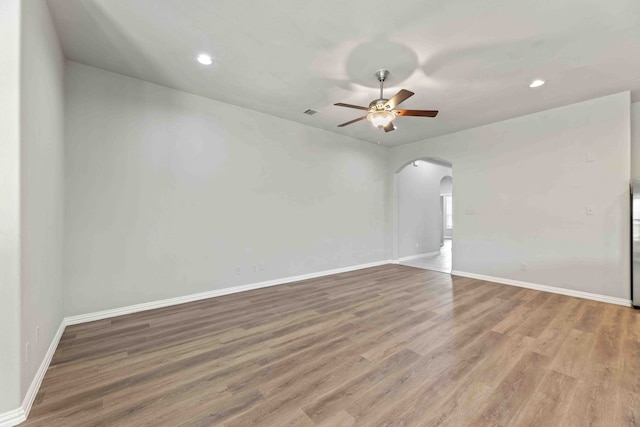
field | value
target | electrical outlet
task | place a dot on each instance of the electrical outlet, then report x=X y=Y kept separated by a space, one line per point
x=26 y=353
x=238 y=270
x=417 y=245
x=590 y=210
x=254 y=268
x=37 y=334
x=261 y=267
x=523 y=267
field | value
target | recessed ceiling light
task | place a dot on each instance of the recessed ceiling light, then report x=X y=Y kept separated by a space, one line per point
x=536 y=83
x=204 y=59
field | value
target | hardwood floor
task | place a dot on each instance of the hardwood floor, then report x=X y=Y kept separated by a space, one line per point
x=441 y=262
x=389 y=345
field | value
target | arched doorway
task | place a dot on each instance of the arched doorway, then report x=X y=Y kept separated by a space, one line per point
x=424 y=214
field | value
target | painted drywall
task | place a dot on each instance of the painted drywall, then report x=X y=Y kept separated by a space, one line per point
x=522 y=188
x=635 y=140
x=168 y=193
x=10 y=205
x=419 y=218
x=42 y=180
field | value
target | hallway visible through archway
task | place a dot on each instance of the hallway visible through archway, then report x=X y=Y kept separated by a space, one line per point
x=439 y=262
x=425 y=215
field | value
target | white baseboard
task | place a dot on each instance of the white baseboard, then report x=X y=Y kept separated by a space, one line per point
x=42 y=370
x=12 y=418
x=546 y=288
x=412 y=257
x=89 y=317
x=16 y=416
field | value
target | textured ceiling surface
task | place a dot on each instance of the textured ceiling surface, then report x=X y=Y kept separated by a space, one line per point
x=472 y=60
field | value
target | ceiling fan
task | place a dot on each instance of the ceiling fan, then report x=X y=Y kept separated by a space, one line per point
x=382 y=111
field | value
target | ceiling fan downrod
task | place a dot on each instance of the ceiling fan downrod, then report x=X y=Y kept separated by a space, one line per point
x=382 y=76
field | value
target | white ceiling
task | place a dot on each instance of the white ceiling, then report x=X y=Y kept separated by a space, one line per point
x=473 y=60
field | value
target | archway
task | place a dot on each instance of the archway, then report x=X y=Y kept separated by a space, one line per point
x=423 y=220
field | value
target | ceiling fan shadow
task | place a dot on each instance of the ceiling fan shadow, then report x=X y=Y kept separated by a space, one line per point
x=490 y=61
x=368 y=57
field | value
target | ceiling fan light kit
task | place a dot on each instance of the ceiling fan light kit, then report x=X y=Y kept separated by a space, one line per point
x=382 y=111
x=380 y=119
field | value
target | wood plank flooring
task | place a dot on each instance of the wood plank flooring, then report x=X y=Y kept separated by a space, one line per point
x=440 y=262
x=384 y=346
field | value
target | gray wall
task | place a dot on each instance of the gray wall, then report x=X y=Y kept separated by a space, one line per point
x=31 y=185
x=522 y=187
x=167 y=193
x=419 y=220
x=42 y=179
x=9 y=205
x=635 y=140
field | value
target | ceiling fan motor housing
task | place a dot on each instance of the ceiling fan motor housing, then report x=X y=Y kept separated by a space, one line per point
x=379 y=105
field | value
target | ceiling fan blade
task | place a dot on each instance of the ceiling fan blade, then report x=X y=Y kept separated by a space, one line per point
x=352 y=121
x=416 y=113
x=399 y=97
x=342 y=104
x=389 y=127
